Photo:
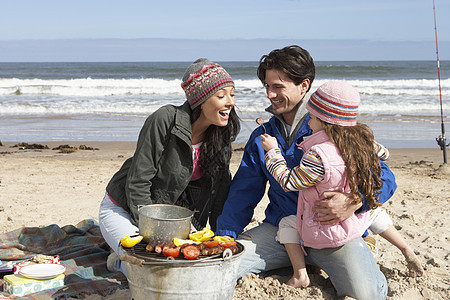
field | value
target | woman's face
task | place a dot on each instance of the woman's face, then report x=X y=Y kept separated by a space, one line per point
x=216 y=109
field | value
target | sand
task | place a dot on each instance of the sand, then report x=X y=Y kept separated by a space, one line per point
x=42 y=187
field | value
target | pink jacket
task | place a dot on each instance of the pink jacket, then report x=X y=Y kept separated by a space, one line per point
x=312 y=233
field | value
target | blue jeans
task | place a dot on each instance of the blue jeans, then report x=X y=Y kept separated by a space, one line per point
x=351 y=268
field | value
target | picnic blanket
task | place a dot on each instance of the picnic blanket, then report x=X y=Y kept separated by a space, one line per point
x=82 y=250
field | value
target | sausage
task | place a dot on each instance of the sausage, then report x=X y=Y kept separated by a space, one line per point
x=214 y=250
x=159 y=247
x=151 y=245
x=184 y=246
x=201 y=246
x=168 y=245
x=234 y=249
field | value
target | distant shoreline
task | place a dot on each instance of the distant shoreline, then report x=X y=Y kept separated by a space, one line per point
x=434 y=154
x=162 y=49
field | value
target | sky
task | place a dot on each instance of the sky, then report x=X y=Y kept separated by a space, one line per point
x=105 y=30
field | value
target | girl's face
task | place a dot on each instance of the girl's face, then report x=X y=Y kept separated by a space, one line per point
x=315 y=124
x=216 y=109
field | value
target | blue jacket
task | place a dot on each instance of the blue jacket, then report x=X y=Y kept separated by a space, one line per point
x=249 y=183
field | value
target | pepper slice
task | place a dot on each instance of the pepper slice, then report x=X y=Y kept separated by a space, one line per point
x=221 y=238
x=128 y=241
x=179 y=242
x=202 y=235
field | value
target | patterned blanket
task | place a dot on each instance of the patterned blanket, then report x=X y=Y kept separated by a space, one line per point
x=82 y=251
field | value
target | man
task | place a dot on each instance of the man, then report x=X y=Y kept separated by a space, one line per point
x=287 y=75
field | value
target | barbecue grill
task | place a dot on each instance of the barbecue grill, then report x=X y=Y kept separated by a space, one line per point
x=153 y=276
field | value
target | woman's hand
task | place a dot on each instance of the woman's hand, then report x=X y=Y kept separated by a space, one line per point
x=268 y=142
x=334 y=207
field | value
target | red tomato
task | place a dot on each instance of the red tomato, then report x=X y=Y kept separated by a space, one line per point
x=210 y=244
x=173 y=252
x=191 y=252
x=228 y=244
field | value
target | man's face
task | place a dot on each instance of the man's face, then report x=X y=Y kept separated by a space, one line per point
x=284 y=94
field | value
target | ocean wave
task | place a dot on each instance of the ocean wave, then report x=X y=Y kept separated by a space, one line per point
x=144 y=96
x=412 y=87
x=89 y=87
x=243 y=108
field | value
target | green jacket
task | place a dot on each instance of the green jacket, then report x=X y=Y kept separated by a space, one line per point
x=161 y=168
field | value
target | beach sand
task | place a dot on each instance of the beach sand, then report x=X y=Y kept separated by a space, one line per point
x=42 y=187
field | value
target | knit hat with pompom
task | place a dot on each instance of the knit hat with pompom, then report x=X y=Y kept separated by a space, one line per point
x=202 y=79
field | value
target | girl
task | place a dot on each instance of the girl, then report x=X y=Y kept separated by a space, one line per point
x=182 y=157
x=340 y=155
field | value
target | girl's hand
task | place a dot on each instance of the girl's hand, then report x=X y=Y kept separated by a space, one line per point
x=268 y=142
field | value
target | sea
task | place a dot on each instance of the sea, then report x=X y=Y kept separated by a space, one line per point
x=402 y=101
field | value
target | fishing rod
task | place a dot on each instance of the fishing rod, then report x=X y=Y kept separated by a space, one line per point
x=441 y=139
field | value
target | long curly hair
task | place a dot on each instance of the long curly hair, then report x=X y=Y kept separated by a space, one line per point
x=356 y=144
x=215 y=152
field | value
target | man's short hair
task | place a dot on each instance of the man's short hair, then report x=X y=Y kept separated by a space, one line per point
x=293 y=60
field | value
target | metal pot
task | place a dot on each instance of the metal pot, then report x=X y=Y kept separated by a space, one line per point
x=164 y=222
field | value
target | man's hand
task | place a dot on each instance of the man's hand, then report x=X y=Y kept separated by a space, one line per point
x=335 y=206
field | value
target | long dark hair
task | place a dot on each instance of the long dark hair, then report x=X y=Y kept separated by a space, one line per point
x=215 y=152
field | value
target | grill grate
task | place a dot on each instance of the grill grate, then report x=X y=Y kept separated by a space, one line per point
x=140 y=252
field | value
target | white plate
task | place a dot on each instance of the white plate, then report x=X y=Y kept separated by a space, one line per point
x=42 y=271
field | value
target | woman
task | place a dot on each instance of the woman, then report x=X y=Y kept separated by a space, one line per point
x=182 y=157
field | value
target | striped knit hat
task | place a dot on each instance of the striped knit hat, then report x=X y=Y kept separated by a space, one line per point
x=335 y=102
x=202 y=79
